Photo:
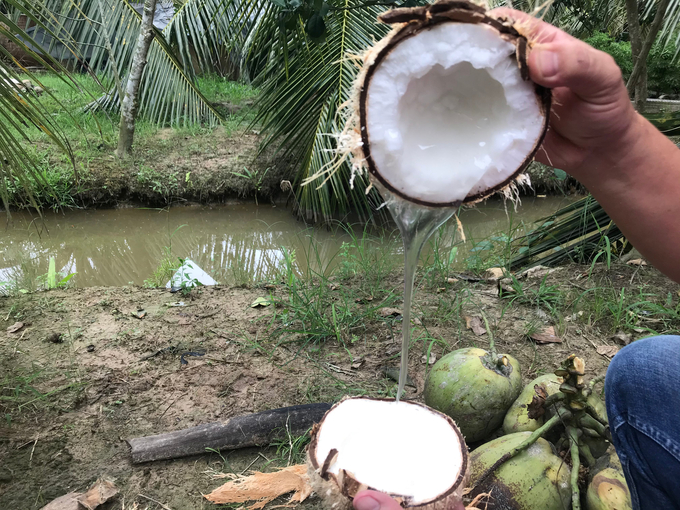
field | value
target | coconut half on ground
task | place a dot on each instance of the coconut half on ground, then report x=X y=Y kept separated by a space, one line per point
x=405 y=449
x=446 y=113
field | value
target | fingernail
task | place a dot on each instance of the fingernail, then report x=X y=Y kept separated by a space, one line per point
x=547 y=62
x=366 y=503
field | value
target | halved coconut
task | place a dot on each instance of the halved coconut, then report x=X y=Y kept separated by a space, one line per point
x=447 y=112
x=405 y=449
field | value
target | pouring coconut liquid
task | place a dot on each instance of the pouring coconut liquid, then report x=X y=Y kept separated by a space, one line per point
x=444 y=115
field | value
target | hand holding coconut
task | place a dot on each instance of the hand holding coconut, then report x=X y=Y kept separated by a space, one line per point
x=595 y=135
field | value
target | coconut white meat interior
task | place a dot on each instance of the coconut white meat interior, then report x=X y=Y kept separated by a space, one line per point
x=393 y=447
x=448 y=114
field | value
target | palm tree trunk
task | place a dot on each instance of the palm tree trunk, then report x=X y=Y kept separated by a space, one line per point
x=637 y=82
x=130 y=105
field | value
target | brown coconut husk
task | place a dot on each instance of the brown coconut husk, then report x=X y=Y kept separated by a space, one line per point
x=408 y=22
x=338 y=491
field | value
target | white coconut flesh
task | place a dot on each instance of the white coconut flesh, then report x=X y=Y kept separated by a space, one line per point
x=448 y=114
x=394 y=447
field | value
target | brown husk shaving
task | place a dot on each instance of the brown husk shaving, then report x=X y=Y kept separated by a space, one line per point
x=100 y=492
x=264 y=487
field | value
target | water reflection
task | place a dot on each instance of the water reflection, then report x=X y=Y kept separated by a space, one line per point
x=231 y=242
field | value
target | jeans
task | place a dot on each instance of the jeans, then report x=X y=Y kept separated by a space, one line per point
x=642 y=391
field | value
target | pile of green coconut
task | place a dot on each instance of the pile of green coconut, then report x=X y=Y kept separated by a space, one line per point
x=445 y=114
x=547 y=443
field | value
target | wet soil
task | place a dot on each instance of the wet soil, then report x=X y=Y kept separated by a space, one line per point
x=67 y=408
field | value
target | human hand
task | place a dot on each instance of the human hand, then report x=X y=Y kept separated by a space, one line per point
x=374 y=500
x=592 y=115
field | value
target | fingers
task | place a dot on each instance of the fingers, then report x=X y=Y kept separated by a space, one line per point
x=374 y=500
x=560 y=60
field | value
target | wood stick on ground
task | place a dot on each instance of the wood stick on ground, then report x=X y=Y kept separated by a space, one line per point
x=238 y=432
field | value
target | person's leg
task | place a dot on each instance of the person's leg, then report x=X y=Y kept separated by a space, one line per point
x=642 y=391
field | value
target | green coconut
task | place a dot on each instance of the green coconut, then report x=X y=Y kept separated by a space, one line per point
x=608 y=489
x=533 y=479
x=517 y=418
x=474 y=388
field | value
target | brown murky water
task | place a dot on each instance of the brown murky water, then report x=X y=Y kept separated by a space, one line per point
x=231 y=242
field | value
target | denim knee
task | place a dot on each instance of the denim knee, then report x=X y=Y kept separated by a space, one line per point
x=643 y=406
x=639 y=369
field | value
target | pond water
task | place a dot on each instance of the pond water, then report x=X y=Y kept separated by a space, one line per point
x=233 y=243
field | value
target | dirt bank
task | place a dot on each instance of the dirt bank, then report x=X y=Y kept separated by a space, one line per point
x=174 y=167
x=69 y=406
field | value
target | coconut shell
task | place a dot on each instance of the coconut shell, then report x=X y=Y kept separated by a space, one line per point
x=338 y=491
x=409 y=22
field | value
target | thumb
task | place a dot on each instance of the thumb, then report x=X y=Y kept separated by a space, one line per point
x=374 y=500
x=590 y=74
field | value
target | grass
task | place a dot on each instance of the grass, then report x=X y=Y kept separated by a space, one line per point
x=316 y=308
x=93 y=138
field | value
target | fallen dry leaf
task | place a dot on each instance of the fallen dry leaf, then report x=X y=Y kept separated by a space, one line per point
x=389 y=312
x=454 y=280
x=637 y=262
x=546 y=336
x=15 y=327
x=429 y=361
x=622 y=338
x=494 y=273
x=475 y=324
x=607 y=350
x=538 y=272
x=264 y=487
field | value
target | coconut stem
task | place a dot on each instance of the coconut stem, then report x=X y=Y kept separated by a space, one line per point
x=588 y=421
x=595 y=414
x=592 y=383
x=539 y=432
x=584 y=451
x=575 y=465
x=492 y=342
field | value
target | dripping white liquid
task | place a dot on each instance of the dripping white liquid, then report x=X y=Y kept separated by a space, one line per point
x=416 y=224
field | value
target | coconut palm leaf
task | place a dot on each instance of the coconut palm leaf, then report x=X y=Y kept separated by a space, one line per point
x=581 y=230
x=670 y=33
x=101 y=34
x=302 y=93
x=575 y=233
x=20 y=110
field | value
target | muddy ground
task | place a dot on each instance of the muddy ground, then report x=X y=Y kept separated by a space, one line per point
x=80 y=377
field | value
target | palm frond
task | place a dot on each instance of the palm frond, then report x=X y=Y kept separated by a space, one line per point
x=670 y=33
x=301 y=95
x=575 y=233
x=101 y=35
x=579 y=231
x=20 y=110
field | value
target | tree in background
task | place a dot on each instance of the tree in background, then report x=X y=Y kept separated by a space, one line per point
x=130 y=105
x=637 y=82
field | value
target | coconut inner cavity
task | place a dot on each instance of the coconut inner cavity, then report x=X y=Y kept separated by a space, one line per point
x=448 y=115
x=393 y=447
